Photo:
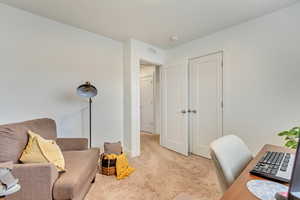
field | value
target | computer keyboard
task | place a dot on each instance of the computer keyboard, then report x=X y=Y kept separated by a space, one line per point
x=275 y=166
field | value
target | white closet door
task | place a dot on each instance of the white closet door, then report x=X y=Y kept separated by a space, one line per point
x=174 y=94
x=205 y=89
x=147 y=106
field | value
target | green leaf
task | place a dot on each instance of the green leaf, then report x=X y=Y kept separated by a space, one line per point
x=292 y=133
x=296 y=128
x=283 y=133
x=286 y=138
x=290 y=143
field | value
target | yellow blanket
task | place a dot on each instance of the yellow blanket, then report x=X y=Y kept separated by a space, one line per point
x=122 y=166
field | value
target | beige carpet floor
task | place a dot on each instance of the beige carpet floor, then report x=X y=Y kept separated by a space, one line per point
x=160 y=174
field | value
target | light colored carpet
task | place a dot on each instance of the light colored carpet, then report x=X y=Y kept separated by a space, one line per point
x=184 y=196
x=160 y=174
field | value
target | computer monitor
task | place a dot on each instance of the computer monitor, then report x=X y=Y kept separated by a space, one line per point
x=294 y=188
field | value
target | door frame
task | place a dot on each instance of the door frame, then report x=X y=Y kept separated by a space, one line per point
x=221 y=96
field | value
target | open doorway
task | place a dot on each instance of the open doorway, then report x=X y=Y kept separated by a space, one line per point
x=149 y=104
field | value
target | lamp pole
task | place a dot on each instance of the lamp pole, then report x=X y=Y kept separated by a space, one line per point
x=90 y=107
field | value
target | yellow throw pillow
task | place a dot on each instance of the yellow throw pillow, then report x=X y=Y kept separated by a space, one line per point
x=40 y=150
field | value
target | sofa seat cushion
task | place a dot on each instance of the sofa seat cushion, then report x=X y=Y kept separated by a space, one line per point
x=80 y=166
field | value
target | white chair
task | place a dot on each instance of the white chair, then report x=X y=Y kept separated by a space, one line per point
x=230 y=156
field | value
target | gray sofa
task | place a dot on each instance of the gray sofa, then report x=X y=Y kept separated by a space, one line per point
x=42 y=181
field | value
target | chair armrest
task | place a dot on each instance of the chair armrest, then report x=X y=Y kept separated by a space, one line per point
x=72 y=144
x=36 y=181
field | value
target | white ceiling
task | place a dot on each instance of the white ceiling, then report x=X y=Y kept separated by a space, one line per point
x=151 y=21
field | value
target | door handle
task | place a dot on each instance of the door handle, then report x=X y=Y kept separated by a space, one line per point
x=183 y=111
x=193 y=111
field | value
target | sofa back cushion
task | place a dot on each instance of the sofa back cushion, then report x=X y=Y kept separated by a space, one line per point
x=14 y=137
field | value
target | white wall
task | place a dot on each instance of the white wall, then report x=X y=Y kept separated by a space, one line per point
x=42 y=63
x=261 y=74
x=134 y=52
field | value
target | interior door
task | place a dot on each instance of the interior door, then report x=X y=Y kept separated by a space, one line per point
x=174 y=98
x=147 y=106
x=205 y=89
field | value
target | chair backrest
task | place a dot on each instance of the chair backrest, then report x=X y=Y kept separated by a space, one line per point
x=14 y=137
x=230 y=156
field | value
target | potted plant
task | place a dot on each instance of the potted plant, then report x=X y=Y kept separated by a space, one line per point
x=291 y=137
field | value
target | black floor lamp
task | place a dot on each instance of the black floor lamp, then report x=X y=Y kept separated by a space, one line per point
x=87 y=90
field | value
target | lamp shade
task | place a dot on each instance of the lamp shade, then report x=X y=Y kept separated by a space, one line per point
x=87 y=90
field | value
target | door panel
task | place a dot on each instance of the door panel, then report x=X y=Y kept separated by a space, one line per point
x=174 y=93
x=147 y=106
x=205 y=88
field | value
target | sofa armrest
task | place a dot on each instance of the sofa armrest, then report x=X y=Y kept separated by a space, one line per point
x=36 y=181
x=72 y=144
